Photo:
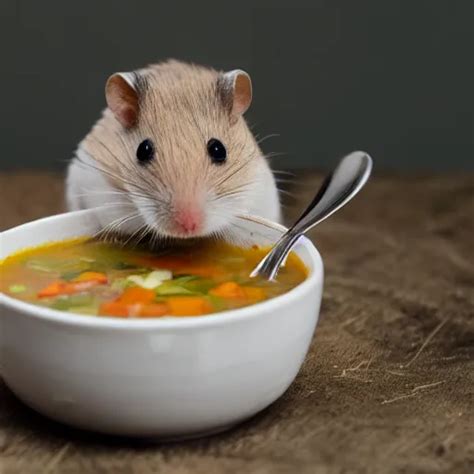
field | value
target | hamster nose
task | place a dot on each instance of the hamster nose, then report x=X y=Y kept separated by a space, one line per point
x=188 y=219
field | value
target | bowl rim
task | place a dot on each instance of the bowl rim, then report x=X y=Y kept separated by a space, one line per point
x=314 y=279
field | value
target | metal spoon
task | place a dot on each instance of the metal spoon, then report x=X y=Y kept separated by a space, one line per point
x=337 y=189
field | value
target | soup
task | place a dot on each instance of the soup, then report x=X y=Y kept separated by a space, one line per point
x=91 y=277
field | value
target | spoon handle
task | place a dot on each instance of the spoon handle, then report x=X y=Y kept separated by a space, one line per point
x=337 y=189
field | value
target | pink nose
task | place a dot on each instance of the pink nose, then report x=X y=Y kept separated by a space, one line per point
x=188 y=220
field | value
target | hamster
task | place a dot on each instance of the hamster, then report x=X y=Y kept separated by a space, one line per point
x=173 y=156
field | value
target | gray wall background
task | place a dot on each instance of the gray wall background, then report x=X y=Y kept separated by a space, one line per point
x=394 y=78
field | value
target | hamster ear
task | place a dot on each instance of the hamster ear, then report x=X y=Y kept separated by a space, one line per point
x=235 y=88
x=122 y=98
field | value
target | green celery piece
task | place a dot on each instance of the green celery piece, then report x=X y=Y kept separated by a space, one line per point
x=200 y=285
x=61 y=303
x=184 y=285
x=68 y=276
x=184 y=279
x=169 y=289
x=17 y=288
x=64 y=303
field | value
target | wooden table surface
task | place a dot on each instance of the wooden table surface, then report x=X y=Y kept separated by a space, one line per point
x=388 y=384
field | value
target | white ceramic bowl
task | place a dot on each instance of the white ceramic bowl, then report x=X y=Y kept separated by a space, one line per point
x=170 y=378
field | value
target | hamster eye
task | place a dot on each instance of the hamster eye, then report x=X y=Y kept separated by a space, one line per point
x=145 y=151
x=216 y=151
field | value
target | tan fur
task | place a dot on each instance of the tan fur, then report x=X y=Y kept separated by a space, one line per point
x=180 y=110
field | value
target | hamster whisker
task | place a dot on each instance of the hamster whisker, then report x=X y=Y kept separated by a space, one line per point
x=284 y=172
x=128 y=201
x=107 y=171
x=98 y=193
x=231 y=193
x=115 y=224
x=287 y=181
x=112 y=175
x=140 y=232
x=111 y=205
x=244 y=229
x=287 y=193
x=123 y=194
x=240 y=187
x=126 y=166
x=266 y=137
x=273 y=154
x=232 y=172
x=256 y=220
x=113 y=155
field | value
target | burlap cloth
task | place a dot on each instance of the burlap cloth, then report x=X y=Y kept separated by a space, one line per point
x=388 y=385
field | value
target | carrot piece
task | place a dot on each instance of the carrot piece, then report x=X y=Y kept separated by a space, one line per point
x=76 y=287
x=116 y=308
x=59 y=287
x=188 y=305
x=136 y=294
x=134 y=301
x=53 y=289
x=92 y=276
x=229 y=289
x=153 y=310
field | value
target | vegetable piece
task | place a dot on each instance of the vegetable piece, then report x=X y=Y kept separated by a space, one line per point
x=65 y=288
x=153 y=310
x=200 y=285
x=68 y=276
x=229 y=289
x=188 y=305
x=130 y=303
x=54 y=289
x=116 y=308
x=232 y=290
x=152 y=280
x=92 y=276
x=170 y=289
x=66 y=302
x=136 y=294
x=17 y=288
